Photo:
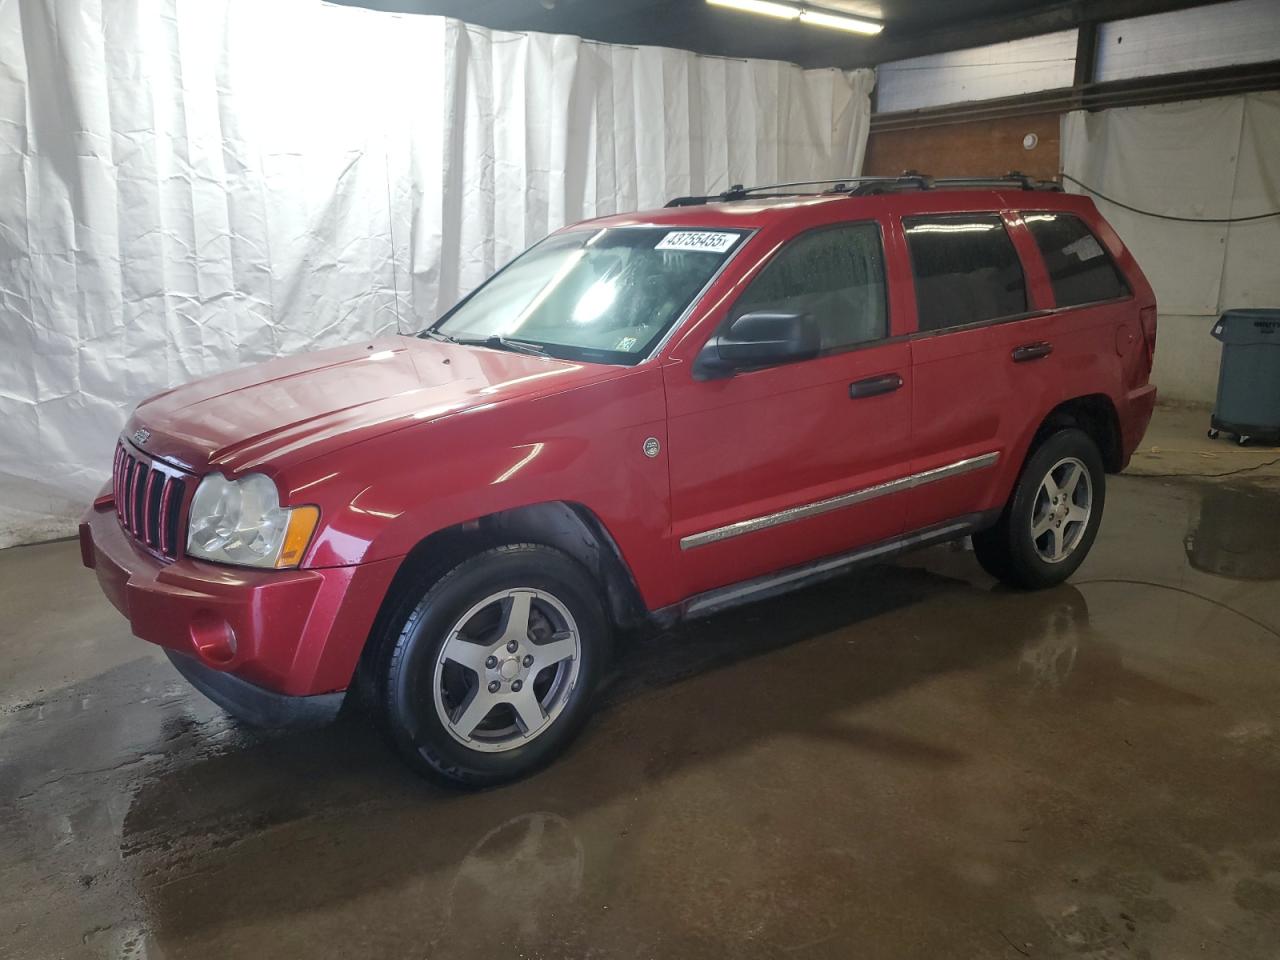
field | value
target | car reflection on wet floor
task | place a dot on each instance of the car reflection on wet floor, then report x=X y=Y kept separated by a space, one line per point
x=909 y=760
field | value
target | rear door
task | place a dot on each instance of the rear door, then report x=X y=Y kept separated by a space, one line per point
x=982 y=361
x=773 y=467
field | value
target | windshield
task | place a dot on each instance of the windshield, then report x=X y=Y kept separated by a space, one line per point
x=604 y=295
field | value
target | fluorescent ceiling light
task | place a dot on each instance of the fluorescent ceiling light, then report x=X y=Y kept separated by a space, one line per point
x=764 y=7
x=836 y=21
x=789 y=11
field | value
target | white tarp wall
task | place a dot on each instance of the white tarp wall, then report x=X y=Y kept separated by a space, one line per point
x=1205 y=159
x=192 y=185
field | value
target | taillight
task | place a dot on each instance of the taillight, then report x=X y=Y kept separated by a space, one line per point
x=1147 y=318
x=1149 y=327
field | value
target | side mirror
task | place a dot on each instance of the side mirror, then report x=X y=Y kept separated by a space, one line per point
x=759 y=340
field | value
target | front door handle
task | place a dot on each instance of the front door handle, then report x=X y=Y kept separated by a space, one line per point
x=874 y=386
x=1032 y=351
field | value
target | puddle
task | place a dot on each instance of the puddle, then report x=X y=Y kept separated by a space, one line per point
x=1236 y=534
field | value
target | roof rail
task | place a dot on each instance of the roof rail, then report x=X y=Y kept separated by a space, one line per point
x=1024 y=181
x=865 y=186
x=739 y=192
x=914 y=180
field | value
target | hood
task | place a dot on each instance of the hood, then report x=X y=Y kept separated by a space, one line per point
x=301 y=406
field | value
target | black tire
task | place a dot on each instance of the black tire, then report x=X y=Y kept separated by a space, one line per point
x=1008 y=550
x=405 y=678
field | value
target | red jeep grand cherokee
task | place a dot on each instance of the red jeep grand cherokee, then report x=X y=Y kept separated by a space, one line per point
x=642 y=418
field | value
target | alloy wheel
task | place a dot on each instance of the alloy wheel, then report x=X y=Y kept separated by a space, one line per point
x=506 y=669
x=1060 y=515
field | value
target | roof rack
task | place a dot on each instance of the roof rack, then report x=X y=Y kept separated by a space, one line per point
x=912 y=179
x=739 y=192
x=866 y=186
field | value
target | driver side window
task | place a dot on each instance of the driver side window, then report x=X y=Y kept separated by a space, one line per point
x=836 y=275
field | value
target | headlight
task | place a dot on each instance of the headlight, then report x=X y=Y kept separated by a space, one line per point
x=242 y=522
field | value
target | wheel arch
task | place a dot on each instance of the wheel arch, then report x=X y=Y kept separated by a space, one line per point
x=570 y=527
x=1093 y=413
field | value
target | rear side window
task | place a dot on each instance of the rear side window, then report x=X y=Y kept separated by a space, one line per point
x=836 y=274
x=966 y=270
x=1079 y=268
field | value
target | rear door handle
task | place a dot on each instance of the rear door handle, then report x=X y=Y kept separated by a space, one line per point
x=1032 y=351
x=874 y=386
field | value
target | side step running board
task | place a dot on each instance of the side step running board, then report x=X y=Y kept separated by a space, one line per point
x=794 y=578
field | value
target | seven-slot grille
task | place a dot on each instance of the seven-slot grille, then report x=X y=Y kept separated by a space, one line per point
x=148 y=499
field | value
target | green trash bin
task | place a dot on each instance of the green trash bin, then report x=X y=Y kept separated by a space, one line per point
x=1248 y=405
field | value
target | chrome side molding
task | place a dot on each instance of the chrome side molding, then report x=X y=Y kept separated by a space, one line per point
x=838 y=502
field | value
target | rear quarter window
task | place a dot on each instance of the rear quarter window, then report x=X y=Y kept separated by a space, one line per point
x=966 y=270
x=1080 y=270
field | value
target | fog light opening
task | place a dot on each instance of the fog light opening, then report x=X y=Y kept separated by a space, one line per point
x=213 y=637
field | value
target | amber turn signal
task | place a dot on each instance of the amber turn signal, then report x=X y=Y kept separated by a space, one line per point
x=302 y=523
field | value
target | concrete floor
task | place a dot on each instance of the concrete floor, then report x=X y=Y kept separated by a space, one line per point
x=908 y=763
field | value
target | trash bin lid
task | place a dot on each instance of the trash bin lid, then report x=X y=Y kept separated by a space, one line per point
x=1254 y=325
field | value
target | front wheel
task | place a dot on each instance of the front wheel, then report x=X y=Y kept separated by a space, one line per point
x=490 y=672
x=1052 y=518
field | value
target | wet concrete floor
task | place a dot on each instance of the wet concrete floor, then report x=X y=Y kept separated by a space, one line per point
x=911 y=762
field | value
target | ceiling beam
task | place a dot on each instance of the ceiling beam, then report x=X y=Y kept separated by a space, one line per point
x=693 y=25
x=1138 y=91
x=905 y=40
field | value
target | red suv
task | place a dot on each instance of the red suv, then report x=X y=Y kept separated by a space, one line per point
x=642 y=418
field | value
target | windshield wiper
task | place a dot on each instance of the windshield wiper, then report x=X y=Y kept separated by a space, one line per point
x=437 y=335
x=502 y=343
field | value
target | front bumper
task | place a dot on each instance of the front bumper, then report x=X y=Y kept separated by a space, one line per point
x=253 y=704
x=296 y=633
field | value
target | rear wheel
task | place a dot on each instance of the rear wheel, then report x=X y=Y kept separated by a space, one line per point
x=1052 y=518
x=490 y=671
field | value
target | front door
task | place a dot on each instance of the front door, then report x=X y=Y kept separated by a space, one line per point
x=774 y=467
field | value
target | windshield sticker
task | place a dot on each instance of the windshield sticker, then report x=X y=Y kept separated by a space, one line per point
x=701 y=240
x=626 y=343
x=1086 y=248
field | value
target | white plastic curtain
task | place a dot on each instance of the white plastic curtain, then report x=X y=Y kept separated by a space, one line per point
x=1215 y=158
x=192 y=185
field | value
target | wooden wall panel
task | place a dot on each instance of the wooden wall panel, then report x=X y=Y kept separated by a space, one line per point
x=978 y=148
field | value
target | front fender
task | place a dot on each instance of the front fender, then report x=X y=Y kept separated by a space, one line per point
x=381 y=497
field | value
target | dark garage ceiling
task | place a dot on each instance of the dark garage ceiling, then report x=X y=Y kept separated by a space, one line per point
x=913 y=27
